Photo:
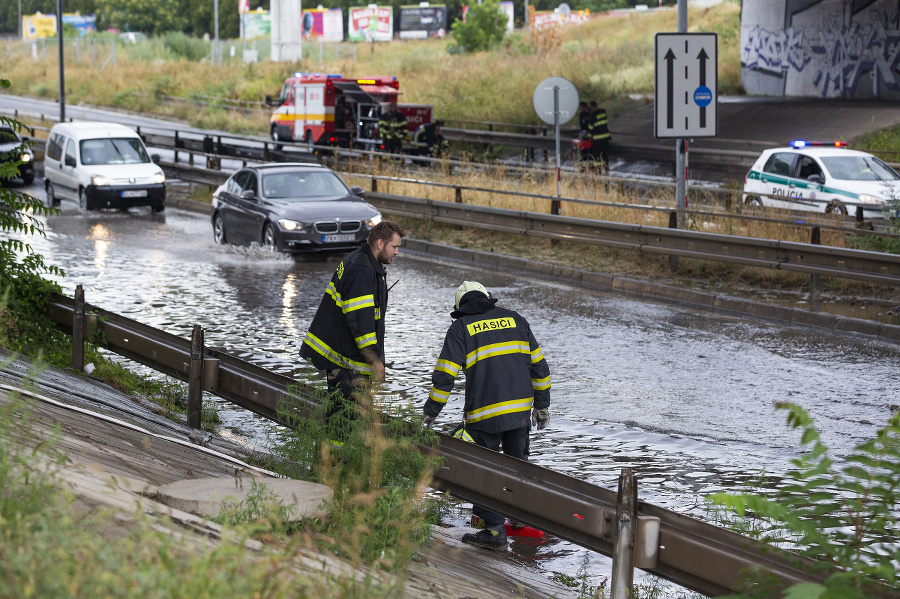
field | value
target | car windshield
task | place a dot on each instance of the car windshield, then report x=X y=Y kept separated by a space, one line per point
x=302 y=185
x=859 y=168
x=113 y=150
x=8 y=137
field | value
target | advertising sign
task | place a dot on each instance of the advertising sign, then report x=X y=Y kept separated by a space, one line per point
x=370 y=24
x=545 y=19
x=421 y=22
x=83 y=23
x=325 y=24
x=257 y=23
x=36 y=26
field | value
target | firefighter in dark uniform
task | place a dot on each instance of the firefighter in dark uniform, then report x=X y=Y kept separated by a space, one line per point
x=346 y=337
x=507 y=385
x=392 y=127
x=584 y=118
x=429 y=141
x=598 y=131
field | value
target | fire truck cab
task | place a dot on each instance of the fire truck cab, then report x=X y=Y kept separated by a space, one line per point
x=326 y=109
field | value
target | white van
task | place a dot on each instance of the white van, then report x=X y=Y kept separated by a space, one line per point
x=101 y=165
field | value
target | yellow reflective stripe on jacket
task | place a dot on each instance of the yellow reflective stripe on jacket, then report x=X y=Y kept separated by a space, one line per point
x=366 y=340
x=330 y=290
x=329 y=354
x=357 y=303
x=498 y=409
x=377 y=313
x=448 y=367
x=438 y=395
x=536 y=355
x=497 y=349
x=541 y=384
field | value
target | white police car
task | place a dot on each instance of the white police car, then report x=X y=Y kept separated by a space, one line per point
x=823 y=177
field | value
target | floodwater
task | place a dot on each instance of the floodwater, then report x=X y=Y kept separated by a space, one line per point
x=687 y=399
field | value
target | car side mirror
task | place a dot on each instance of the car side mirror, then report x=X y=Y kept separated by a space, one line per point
x=248 y=194
x=357 y=190
x=815 y=178
x=70 y=161
x=154 y=157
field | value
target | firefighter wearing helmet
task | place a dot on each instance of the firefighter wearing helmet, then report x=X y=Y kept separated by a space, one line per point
x=507 y=385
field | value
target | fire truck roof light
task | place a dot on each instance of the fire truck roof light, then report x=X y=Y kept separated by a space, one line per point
x=802 y=143
x=366 y=81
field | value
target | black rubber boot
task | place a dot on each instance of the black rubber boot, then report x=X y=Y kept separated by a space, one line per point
x=489 y=538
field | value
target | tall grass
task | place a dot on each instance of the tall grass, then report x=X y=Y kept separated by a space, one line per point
x=606 y=58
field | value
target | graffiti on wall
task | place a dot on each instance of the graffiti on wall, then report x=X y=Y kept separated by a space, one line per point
x=830 y=53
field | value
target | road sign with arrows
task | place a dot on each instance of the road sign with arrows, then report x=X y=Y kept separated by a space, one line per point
x=686 y=81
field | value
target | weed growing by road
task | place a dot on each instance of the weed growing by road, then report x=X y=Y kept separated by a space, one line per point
x=377 y=471
x=842 y=515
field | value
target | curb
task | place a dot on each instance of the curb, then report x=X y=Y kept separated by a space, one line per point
x=658 y=291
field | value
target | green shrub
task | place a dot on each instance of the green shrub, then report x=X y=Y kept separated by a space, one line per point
x=844 y=516
x=184 y=46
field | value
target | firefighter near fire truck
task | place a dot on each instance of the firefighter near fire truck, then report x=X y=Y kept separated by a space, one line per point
x=392 y=128
x=429 y=141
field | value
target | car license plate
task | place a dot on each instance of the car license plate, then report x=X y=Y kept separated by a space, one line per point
x=134 y=193
x=340 y=238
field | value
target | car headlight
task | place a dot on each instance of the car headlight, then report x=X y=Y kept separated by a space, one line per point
x=160 y=177
x=290 y=225
x=374 y=220
x=25 y=158
x=98 y=180
x=870 y=199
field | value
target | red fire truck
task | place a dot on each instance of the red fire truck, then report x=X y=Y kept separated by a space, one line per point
x=325 y=109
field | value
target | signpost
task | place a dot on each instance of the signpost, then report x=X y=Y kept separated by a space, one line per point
x=686 y=83
x=555 y=102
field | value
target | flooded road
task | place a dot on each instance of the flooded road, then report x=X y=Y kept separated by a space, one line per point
x=685 y=398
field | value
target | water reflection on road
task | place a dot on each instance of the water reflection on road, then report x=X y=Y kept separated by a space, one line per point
x=685 y=398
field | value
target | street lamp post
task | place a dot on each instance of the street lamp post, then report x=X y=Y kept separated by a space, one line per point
x=62 y=78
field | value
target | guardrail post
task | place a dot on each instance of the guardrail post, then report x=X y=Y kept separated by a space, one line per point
x=815 y=281
x=673 y=224
x=78 y=330
x=626 y=524
x=459 y=195
x=374 y=183
x=195 y=379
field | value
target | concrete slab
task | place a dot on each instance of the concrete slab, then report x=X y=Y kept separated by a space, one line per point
x=208 y=496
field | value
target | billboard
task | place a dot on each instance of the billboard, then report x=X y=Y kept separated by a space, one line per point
x=256 y=23
x=370 y=24
x=421 y=22
x=36 y=26
x=325 y=24
x=83 y=23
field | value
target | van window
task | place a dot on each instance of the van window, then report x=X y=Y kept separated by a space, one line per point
x=70 y=150
x=113 y=150
x=55 y=146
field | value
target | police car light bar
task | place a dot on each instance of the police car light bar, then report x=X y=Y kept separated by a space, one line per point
x=801 y=143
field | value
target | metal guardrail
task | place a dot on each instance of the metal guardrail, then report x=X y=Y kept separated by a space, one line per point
x=872 y=267
x=689 y=552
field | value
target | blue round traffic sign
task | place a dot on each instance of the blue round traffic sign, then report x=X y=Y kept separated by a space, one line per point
x=702 y=96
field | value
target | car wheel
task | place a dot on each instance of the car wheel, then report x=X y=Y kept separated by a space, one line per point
x=269 y=241
x=28 y=178
x=82 y=199
x=52 y=200
x=219 y=229
x=275 y=133
x=836 y=209
x=159 y=207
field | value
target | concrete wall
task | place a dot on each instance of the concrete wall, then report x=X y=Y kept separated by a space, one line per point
x=286 y=31
x=821 y=48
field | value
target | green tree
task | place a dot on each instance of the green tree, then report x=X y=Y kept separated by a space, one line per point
x=148 y=16
x=23 y=290
x=483 y=29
